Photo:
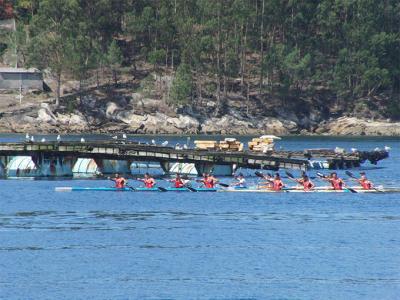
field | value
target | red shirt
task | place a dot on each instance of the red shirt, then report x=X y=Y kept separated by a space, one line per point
x=337 y=183
x=366 y=184
x=277 y=185
x=119 y=183
x=307 y=185
x=178 y=183
x=149 y=183
x=209 y=183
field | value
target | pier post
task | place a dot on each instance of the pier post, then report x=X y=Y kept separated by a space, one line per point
x=165 y=166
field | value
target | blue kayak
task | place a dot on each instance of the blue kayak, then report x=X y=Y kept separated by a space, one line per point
x=97 y=189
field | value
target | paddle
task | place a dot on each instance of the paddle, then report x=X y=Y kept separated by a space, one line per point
x=261 y=175
x=325 y=177
x=162 y=189
x=351 y=175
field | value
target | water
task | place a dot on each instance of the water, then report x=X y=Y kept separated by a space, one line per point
x=202 y=246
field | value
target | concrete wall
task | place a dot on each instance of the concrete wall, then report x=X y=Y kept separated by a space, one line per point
x=12 y=81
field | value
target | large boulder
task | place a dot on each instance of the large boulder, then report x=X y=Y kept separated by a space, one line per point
x=45 y=116
x=111 y=109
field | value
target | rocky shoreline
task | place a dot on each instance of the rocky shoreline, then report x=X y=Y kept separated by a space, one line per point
x=44 y=120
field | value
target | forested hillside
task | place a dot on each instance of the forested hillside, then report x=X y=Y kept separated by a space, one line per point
x=336 y=56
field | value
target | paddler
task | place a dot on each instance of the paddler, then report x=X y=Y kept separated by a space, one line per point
x=364 y=182
x=208 y=181
x=268 y=183
x=336 y=182
x=305 y=182
x=277 y=183
x=120 y=182
x=148 y=181
x=178 y=181
x=240 y=181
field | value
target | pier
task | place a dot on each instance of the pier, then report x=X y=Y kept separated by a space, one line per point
x=59 y=158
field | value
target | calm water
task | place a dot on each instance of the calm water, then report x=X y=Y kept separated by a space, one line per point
x=202 y=246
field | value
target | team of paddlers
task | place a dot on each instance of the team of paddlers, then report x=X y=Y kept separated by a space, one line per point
x=270 y=182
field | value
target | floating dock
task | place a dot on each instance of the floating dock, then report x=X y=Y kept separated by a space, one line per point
x=59 y=158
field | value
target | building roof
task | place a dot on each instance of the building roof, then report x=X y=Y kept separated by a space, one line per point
x=19 y=70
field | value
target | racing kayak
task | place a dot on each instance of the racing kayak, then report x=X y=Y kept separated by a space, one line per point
x=232 y=190
x=128 y=189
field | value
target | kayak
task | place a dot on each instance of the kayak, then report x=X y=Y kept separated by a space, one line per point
x=90 y=189
x=231 y=190
x=137 y=189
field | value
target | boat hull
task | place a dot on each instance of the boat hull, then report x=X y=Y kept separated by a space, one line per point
x=229 y=190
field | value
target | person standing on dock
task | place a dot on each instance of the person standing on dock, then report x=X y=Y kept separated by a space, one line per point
x=241 y=181
x=120 y=182
x=148 y=181
x=277 y=183
x=364 y=182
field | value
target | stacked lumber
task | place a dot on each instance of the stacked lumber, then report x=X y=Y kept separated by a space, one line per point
x=230 y=144
x=262 y=144
x=206 y=145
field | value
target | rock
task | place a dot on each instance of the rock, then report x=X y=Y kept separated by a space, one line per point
x=45 y=117
x=111 y=109
x=77 y=121
x=355 y=126
x=275 y=127
x=184 y=124
x=29 y=120
x=227 y=125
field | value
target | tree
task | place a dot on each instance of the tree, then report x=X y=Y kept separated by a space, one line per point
x=50 y=44
x=182 y=85
x=114 y=59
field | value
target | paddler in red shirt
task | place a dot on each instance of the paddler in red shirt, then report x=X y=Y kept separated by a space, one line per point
x=305 y=181
x=148 y=181
x=336 y=182
x=364 y=182
x=120 y=182
x=208 y=181
x=277 y=183
x=178 y=182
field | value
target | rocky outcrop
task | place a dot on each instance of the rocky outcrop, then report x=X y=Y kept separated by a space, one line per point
x=231 y=125
x=355 y=126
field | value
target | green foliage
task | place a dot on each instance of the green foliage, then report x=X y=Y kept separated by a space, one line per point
x=147 y=86
x=182 y=85
x=156 y=56
x=114 y=55
x=351 y=46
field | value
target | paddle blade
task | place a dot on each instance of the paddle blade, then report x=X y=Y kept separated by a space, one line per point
x=321 y=175
x=352 y=190
x=259 y=174
x=223 y=184
x=162 y=189
x=191 y=189
x=348 y=173
x=290 y=175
